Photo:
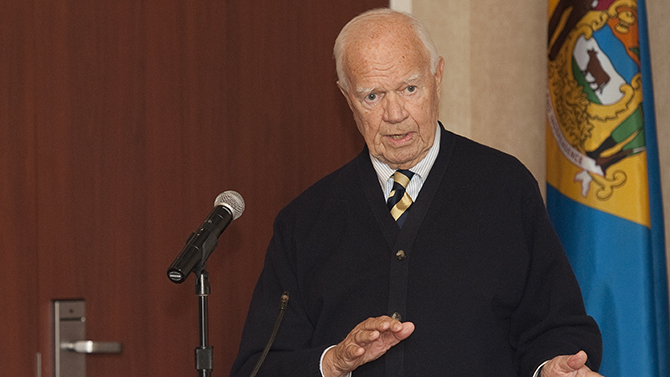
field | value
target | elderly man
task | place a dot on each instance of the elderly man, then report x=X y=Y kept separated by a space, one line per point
x=426 y=255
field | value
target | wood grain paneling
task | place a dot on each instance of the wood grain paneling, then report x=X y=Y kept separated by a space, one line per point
x=133 y=116
x=18 y=211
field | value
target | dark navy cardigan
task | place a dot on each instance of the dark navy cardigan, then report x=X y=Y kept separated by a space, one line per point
x=483 y=278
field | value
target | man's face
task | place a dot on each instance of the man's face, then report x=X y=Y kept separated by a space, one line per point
x=394 y=97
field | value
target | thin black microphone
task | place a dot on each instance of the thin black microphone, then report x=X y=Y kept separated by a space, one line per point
x=228 y=206
x=280 y=316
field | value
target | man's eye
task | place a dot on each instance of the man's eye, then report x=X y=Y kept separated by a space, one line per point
x=411 y=88
x=371 y=97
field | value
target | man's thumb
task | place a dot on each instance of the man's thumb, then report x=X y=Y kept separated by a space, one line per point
x=577 y=360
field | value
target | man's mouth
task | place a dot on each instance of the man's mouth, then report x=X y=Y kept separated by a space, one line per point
x=398 y=137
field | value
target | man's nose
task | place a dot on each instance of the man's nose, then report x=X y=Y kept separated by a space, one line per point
x=394 y=109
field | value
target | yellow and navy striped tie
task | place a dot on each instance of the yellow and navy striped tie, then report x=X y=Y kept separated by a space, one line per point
x=399 y=201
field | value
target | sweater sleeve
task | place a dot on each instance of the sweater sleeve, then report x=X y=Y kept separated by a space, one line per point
x=550 y=319
x=292 y=353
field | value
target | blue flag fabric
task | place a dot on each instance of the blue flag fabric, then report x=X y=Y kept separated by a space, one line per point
x=603 y=181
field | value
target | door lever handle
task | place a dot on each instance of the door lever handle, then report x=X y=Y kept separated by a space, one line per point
x=89 y=346
x=69 y=351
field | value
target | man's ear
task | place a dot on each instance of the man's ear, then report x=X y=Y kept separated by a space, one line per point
x=345 y=94
x=439 y=72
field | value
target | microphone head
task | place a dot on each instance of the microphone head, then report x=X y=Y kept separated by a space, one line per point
x=233 y=201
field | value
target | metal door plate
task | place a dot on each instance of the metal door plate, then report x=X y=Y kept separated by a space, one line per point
x=69 y=327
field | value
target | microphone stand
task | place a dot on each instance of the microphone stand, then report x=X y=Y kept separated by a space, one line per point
x=203 y=352
x=229 y=205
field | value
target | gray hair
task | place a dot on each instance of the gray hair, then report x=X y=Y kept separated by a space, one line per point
x=381 y=15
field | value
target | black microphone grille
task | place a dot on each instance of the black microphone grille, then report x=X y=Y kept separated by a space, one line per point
x=233 y=200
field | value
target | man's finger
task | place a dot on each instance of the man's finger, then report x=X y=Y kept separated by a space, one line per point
x=353 y=351
x=382 y=323
x=567 y=365
x=406 y=329
x=365 y=336
x=577 y=360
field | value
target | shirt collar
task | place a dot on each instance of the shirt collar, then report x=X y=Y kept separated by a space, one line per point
x=421 y=169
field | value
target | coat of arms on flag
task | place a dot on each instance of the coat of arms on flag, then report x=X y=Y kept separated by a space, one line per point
x=594 y=105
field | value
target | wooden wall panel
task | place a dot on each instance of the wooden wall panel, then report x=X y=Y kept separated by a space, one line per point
x=18 y=215
x=133 y=117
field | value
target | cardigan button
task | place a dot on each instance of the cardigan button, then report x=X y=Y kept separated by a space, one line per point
x=396 y=316
x=400 y=255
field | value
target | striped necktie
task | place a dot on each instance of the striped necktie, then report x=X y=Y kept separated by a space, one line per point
x=399 y=201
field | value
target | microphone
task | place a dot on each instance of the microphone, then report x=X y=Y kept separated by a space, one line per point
x=228 y=206
x=280 y=316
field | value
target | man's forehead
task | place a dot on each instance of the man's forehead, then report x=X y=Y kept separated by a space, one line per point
x=388 y=47
x=402 y=62
x=383 y=50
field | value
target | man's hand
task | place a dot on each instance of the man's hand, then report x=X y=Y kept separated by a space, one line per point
x=368 y=341
x=568 y=366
